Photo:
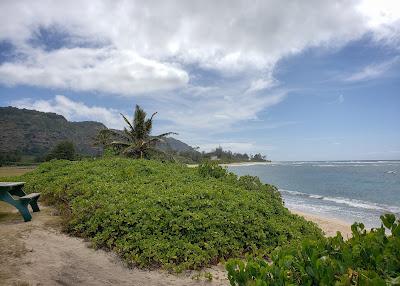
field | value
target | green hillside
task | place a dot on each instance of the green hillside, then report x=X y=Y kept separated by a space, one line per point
x=34 y=133
x=31 y=133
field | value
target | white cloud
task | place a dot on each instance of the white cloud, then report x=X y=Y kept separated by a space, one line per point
x=153 y=47
x=371 y=71
x=73 y=110
x=262 y=84
x=341 y=99
x=382 y=17
x=87 y=69
x=215 y=112
x=147 y=39
x=380 y=13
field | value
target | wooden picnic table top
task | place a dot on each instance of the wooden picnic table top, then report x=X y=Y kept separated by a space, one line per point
x=10 y=185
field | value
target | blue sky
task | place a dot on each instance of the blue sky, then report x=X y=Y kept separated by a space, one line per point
x=312 y=80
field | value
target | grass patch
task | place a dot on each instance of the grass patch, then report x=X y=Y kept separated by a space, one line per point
x=167 y=215
x=14 y=171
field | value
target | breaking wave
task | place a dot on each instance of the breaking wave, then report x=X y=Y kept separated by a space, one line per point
x=347 y=201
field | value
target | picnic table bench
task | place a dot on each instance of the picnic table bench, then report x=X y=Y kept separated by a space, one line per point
x=12 y=193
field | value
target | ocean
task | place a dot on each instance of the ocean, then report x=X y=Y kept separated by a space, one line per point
x=347 y=190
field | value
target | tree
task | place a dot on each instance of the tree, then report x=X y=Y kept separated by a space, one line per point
x=63 y=150
x=10 y=157
x=219 y=152
x=137 y=141
x=258 y=158
x=103 y=138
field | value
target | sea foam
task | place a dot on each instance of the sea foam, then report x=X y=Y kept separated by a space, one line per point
x=347 y=201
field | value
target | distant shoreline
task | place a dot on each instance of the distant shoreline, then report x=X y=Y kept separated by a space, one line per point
x=234 y=164
x=244 y=164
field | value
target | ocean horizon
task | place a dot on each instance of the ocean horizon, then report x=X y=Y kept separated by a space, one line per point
x=348 y=190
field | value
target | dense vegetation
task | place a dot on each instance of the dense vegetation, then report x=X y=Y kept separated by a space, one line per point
x=220 y=155
x=167 y=215
x=9 y=157
x=368 y=258
x=64 y=150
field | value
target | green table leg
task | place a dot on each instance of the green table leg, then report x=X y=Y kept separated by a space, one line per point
x=20 y=193
x=21 y=205
x=34 y=205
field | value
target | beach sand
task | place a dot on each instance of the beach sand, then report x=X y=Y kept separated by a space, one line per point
x=329 y=225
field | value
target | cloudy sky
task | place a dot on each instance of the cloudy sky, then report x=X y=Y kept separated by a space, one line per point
x=296 y=80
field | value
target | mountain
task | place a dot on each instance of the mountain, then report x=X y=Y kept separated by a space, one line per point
x=31 y=132
x=174 y=145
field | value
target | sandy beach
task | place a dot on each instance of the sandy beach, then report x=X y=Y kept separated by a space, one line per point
x=329 y=225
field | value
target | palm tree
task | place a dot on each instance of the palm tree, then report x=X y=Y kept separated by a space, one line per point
x=137 y=140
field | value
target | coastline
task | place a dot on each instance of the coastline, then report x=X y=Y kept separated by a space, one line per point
x=233 y=164
x=243 y=164
x=329 y=225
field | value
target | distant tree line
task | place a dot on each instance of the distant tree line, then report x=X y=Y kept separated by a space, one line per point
x=220 y=155
x=7 y=158
x=64 y=150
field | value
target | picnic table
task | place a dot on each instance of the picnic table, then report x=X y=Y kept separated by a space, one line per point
x=12 y=193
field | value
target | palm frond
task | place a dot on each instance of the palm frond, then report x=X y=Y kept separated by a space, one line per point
x=127 y=122
x=151 y=141
x=151 y=118
x=166 y=134
x=149 y=123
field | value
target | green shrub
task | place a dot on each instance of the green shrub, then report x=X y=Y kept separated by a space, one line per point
x=211 y=169
x=63 y=150
x=167 y=215
x=368 y=258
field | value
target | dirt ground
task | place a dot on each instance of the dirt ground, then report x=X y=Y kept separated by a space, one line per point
x=37 y=253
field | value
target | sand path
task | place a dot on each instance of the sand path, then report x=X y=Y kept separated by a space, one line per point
x=37 y=253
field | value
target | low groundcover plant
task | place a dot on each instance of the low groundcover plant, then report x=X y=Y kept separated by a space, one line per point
x=167 y=215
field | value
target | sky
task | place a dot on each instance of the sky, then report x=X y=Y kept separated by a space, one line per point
x=295 y=80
